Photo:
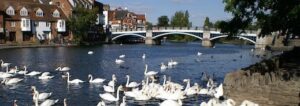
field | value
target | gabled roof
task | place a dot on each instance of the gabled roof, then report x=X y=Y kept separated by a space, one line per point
x=31 y=8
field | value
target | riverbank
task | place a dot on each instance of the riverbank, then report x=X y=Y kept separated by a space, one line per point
x=272 y=82
x=35 y=46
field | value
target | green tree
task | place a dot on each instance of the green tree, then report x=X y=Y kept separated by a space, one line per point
x=281 y=16
x=81 y=21
x=207 y=23
x=217 y=24
x=181 y=19
x=149 y=25
x=163 y=21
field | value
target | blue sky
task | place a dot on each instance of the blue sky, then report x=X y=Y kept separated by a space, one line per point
x=198 y=9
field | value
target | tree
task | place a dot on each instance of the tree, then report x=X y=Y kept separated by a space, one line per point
x=207 y=23
x=163 y=21
x=217 y=24
x=81 y=21
x=281 y=16
x=149 y=25
x=181 y=19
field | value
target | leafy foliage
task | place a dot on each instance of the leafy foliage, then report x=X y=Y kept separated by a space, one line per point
x=163 y=21
x=82 y=21
x=281 y=16
x=207 y=23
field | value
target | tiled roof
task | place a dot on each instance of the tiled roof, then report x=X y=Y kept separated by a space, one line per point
x=31 y=8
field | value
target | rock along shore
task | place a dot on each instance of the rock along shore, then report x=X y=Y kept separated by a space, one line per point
x=272 y=82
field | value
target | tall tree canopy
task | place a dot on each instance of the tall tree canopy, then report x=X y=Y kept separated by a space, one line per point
x=163 y=21
x=181 y=19
x=81 y=21
x=281 y=16
x=207 y=23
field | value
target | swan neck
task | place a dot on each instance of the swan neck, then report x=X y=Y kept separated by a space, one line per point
x=164 y=83
x=91 y=78
x=68 y=77
x=118 y=94
x=36 y=99
x=127 y=83
x=146 y=68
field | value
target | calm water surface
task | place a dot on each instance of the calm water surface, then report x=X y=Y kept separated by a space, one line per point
x=218 y=61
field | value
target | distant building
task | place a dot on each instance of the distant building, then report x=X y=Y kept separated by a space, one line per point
x=30 y=20
x=124 y=19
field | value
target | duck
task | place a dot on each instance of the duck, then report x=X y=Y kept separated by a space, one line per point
x=149 y=73
x=119 y=61
x=122 y=56
x=40 y=96
x=110 y=97
x=131 y=84
x=74 y=81
x=11 y=81
x=96 y=80
x=63 y=69
x=171 y=103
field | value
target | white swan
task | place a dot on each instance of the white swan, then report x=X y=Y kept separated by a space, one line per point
x=150 y=73
x=110 y=97
x=144 y=56
x=11 y=81
x=219 y=91
x=124 y=101
x=96 y=80
x=65 y=102
x=248 y=103
x=142 y=97
x=110 y=89
x=122 y=56
x=13 y=70
x=113 y=80
x=171 y=103
x=163 y=66
x=4 y=64
x=74 y=81
x=199 y=54
x=191 y=90
x=47 y=102
x=101 y=103
x=131 y=84
x=119 y=61
x=40 y=96
x=63 y=68
x=23 y=72
x=90 y=52
x=33 y=73
x=4 y=75
x=45 y=76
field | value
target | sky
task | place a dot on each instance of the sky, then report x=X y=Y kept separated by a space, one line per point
x=198 y=9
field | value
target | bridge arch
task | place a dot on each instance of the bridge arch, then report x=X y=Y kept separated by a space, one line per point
x=173 y=33
x=128 y=34
x=240 y=37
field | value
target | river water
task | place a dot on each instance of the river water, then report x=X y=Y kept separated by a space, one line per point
x=215 y=61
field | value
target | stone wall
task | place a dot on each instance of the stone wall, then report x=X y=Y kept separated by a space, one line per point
x=273 y=82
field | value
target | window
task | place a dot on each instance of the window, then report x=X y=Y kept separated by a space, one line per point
x=10 y=10
x=56 y=13
x=27 y=23
x=23 y=12
x=13 y=24
x=39 y=13
x=47 y=24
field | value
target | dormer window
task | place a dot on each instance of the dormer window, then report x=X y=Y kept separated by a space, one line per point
x=39 y=13
x=56 y=13
x=10 y=10
x=24 y=12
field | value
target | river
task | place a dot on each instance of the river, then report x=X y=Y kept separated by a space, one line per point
x=215 y=61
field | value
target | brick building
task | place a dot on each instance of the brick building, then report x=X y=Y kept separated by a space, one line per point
x=124 y=19
x=30 y=21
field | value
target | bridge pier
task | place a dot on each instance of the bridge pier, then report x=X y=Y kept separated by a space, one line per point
x=148 y=39
x=207 y=43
